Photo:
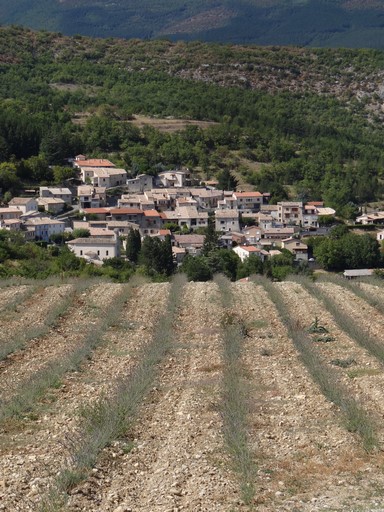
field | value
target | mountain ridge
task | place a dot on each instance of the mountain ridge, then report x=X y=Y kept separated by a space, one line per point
x=316 y=23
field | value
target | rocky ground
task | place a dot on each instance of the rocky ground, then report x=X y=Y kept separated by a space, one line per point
x=175 y=457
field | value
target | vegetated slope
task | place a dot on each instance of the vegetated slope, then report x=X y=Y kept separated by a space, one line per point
x=310 y=22
x=173 y=452
x=70 y=64
x=313 y=116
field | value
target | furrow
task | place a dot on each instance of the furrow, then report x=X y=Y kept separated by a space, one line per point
x=30 y=314
x=177 y=459
x=48 y=440
x=85 y=312
x=304 y=456
x=12 y=296
x=342 y=351
x=368 y=318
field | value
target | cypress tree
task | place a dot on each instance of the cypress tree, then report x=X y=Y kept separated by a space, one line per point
x=211 y=238
x=133 y=245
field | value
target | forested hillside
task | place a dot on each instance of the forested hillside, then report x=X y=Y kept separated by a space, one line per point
x=317 y=23
x=298 y=123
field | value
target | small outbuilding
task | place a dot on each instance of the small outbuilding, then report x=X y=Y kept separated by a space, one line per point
x=360 y=272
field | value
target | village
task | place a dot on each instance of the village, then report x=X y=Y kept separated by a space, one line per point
x=171 y=203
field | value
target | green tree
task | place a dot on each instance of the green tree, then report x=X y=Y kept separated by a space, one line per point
x=225 y=262
x=9 y=181
x=211 y=238
x=156 y=255
x=226 y=181
x=196 y=268
x=329 y=253
x=349 y=251
x=280 y=266
x=251 y=265
x=57 y=144
x=133 y=245
x=61 y=174
x=81 y=233
x=35 y=169
x=338 y=231
x=167 y=263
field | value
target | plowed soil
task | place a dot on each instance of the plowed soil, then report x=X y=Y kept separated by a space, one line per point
x=175 y=456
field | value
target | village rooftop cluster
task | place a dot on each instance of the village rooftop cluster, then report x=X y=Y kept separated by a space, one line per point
x=154 y=204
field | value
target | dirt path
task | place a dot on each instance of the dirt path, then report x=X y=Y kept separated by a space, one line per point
x=40 y=451
x=306 y=460
x=177 y=461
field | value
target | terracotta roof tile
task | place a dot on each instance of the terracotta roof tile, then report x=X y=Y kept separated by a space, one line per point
x=126 y=211
x=96 y=210
x=151 y=213
x=95 y=162
x=248 y=194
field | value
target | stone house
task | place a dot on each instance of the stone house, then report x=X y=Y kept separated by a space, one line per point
x=51 y=204
x=42 y=228
x=227 y=220
x=26 y=205
x=95 y=249
x=60 y=193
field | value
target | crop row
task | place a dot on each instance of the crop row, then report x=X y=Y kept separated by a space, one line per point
x=355 y=417
x=113 y=415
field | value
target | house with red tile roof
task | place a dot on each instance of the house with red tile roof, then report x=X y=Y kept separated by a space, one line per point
x=82 y=161
x=192 y=243
x=151 y=222
x=244 y=251
x=59 y=192
x=91 y=197
x=51 y=204
x=296 y=247
x=99 y=213
x=10 y=213
x=130 y=214
x=95 y=249
x=179 y=178
x=24 y=204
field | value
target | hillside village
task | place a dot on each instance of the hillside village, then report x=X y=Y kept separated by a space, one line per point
x=158 y=206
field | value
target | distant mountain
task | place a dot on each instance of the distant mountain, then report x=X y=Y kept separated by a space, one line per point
x=321 y=23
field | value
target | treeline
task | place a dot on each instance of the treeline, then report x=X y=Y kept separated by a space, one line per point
x=343 y=249
x=153 y=257
x=37 y=260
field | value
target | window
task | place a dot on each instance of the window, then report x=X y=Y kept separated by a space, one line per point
x=106 y=253
x=98 y=253
x=81 y=252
